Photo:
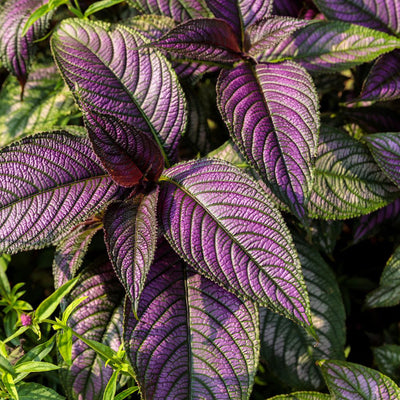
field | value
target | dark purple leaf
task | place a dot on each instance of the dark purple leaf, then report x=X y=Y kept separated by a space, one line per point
x=271 y=111
x=205 y=39
x=70 y=251
x=332 y=46
x=290 y=8
x=130 y=230
x=240 y=13
x=129 y=155
x=15 y=50
x=49 y=183
x=179 y=10
x=109 y=74
x=99 y=318
x=221 y=222
x=383 y=81
x=193 y=339
x=348 y=381
x=377 y=14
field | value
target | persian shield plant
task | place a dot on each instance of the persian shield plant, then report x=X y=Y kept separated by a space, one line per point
x=210 y=275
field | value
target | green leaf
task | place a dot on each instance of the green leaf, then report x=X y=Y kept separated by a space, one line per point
x=387 y=359
x=302 y=396
x=64 y=345
x=35 y=366
x=6 y=366
x=111 y=387
x=388 y=292
x=35 y=391
x=127 y=392
x=4 y=283
x=37 y=353
x=49 y=305
x=348 y=182
x=71 y=307
x=101 y=5
x=9 y=383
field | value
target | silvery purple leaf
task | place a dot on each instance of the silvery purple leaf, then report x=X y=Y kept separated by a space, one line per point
x=385 y=147
x=205 y=39
x=268 y=32
x=193 y=339
x=349 y=381
x=49 y=183
x=221 y=222
x=383 y=81
x=70 y=251
x=100 y=318
x=368 y=223
x=332 y=46
x=285 y=348
x=348 y=182
x=387 y=294
x=129 y=155
x=130 y=230
x=271 y=111
x=15 y=50
x=240 y=13
x=179 y=10
x=377 y=14
x=136 y=85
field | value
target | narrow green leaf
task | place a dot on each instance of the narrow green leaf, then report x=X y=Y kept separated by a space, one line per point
x=100 y=5
x=38 y=13
x=35 y=366
x=6 y=366
x=111 y=388
x=71 y=307
x=127 y=392
x=4 y=283
x=9 y=383
x=35 y=391
x=64 y=345
x=37 y=353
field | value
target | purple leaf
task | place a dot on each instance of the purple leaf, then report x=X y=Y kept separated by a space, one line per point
x=129 y=155
x=202 y=39
x=130 y=230
x=377 y=14
x=99 y=318
x=135 y=85
x=15 y=50
x=271 y=111
x=268 y=32
x=193 y=338
x=383 y=81
x=349 y=381
x=70 y=251
x=49 y=183
x=291 y=8
x=240 y=14
x=179 y=10
x=332 y=46
x=368 y=223
x=221 y=222
x=385 y=147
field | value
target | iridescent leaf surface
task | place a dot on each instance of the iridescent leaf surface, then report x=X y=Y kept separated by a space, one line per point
x=100 y=318
x=205 y=39
x=378 y=14
x=353 y=381
x=332 y=45
x=109 y=75
x=49 y=183
x=47 y=102
x=129 y=155
x=221 y=222
x=271 y=111
x=130 y=230
x=387 y=359
x=287 y=350
x=70 y=251
x=179 y=10
x=388 y=292
x=348 y=182
x=193 y=339
x=383 y=81
x=15 y=50
x=302 y=396
x=385 y=147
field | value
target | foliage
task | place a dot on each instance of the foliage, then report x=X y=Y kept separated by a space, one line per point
x=225 y=149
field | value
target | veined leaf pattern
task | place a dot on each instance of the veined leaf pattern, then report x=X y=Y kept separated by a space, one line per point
x=110 y=75
x=221 y=222
x=271 y=111
x=388 y=292
x=348 y=182
x=42 y=198
x=302 y=396
x=193 y=339
x=377 y=14
x=99 y=318
x=288 y=351
x=387 y=359
x=332 y=46
x=130 y=230
x=385 y=148
x=353 y=381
